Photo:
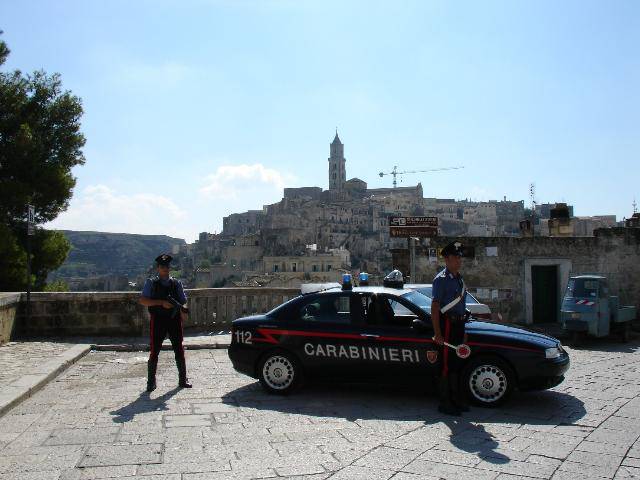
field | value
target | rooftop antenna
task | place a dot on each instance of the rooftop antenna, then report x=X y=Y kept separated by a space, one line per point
x=532 y=195
x=635 y=205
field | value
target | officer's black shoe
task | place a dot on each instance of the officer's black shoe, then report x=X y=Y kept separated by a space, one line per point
x=449 y=409
x=151 y=386
x=184 y=384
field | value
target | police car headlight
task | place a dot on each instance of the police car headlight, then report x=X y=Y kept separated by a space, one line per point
x=553 y=352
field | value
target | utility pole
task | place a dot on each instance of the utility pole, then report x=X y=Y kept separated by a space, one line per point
x=412 y=258
x=30 y=227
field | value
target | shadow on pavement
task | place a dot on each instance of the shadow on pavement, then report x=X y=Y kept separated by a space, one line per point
x=537 y=410
x=474 y=438
x=405 y=403
x=143 y=404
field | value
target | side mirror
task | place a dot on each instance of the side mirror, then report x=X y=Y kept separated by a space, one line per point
x=419 y=325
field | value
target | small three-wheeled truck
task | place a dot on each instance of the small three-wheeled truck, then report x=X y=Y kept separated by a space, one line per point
x=588 y=309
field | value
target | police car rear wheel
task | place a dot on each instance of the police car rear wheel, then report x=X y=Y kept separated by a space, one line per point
x=279 y=373
x=489 y=381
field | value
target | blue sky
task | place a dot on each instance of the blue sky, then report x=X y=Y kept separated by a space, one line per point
x=197 y=109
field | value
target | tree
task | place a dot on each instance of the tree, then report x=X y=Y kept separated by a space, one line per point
x=40 y=142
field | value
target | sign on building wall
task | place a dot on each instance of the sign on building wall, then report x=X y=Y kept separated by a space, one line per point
x=413 y=226
x=492 y=251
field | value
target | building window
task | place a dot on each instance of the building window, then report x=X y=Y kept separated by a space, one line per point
x=328 y=268
x=275 y=268
x=294 y=267
x=314 y=268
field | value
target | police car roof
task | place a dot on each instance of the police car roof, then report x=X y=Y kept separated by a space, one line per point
x=387 y=290
x=368 y=289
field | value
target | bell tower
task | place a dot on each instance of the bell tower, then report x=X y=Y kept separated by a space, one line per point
x=337 y=165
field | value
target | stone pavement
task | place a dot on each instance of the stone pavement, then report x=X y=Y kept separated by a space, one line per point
x=93 y=422
x=26 y=367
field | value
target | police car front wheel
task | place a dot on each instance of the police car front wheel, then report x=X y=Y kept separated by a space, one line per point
x=489 y=381
x=279 y=372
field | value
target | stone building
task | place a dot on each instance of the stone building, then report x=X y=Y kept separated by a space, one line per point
x=524 y=278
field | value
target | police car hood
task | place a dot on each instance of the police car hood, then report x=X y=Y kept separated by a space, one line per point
x=500 y=330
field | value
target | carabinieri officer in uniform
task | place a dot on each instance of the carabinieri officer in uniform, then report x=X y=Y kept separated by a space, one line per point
x=166 y=301
x=448 y=315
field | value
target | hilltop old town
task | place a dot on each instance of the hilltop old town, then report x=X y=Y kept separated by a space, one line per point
x=315 y=235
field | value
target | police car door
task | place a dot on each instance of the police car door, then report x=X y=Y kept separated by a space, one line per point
x=327 y=335
x=402 y=350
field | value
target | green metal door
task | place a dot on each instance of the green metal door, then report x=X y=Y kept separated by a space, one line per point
x=544 y=283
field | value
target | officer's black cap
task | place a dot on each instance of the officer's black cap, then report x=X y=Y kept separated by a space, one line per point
x=164 y=259
x=453 y=248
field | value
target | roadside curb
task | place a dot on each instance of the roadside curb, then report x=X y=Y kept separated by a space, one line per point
x=29 y=384
x=144 y=347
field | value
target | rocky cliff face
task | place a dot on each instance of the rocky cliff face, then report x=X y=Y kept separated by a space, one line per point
x=100 y=253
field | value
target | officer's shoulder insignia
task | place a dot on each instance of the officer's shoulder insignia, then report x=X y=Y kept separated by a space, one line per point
x=432 y=356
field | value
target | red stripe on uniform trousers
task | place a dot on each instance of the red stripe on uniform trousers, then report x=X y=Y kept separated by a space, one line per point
x=151 y=333
x=445 y=363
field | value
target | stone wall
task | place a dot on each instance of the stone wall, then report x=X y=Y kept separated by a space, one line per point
x=501 y=266
x=8 y=310
x=119 y=314
x=82 y=314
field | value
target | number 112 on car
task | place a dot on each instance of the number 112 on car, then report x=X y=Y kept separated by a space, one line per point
x=243 y=337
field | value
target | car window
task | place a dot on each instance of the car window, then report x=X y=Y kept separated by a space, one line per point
x=327 y=309
x=420 y=300
x=471 y=299
x=428 y=291
x=582 y=288
x=381 y=310
x=400 y=309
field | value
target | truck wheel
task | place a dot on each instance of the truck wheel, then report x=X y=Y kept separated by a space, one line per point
x=279 y=372
x=488 y=381
x=626 y=332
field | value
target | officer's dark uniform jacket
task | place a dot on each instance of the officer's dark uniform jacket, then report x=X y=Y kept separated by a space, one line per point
x=448 y=287
x=161 y=291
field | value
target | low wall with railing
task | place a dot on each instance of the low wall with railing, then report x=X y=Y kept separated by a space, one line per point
x=120 y=314
x=9 y=304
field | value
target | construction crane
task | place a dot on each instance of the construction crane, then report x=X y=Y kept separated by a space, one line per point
x=395 y=172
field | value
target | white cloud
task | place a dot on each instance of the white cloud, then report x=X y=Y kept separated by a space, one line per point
x=230 y=189
x=100 y=208
x=233 y=182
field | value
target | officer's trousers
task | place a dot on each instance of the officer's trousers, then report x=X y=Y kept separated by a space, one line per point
x=452 y=328
x=160 y=328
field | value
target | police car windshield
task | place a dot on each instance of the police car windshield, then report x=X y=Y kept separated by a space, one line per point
x=281 y=307
x=419 y=300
